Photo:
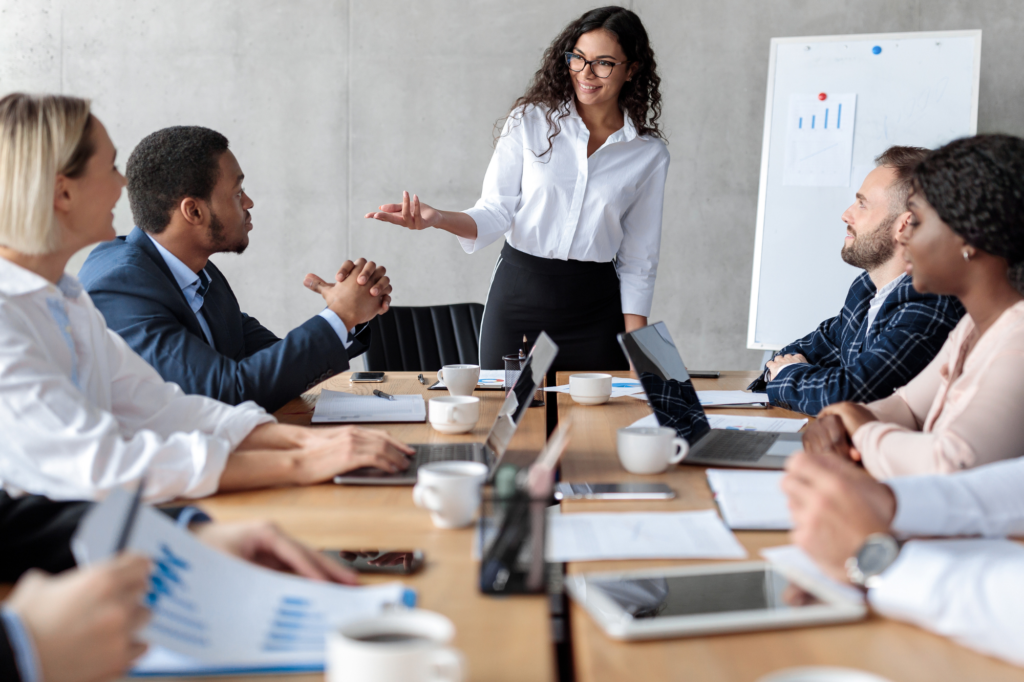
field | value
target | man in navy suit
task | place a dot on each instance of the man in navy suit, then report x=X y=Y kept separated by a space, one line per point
x=159 y=291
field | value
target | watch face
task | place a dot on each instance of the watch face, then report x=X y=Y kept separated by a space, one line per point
x=878 y=552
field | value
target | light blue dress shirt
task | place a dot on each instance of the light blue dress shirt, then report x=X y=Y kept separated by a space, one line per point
x=195 y=287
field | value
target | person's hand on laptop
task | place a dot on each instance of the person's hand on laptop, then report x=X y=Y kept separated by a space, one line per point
x=835 y=506
x=360 y=292
x=264 y=544
x=780 y=361
x=83 y=622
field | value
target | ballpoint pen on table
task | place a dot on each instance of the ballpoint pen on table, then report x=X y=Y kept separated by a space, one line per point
x=419 y=378
x=381 y=394
x=129 y=519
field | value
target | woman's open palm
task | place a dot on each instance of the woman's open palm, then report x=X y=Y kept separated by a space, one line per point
x=410 y=213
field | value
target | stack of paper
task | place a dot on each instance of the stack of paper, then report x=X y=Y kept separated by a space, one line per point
x=640 y=535
x=217 y=613
x=732 y=399
x=750 y=500
x=340 y=407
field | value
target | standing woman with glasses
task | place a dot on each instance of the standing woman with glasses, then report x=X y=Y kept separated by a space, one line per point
x=576 y=187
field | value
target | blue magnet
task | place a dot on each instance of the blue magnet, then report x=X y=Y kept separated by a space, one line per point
x=876 y=50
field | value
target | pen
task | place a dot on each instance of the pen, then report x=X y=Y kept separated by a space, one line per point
x=381 y=394
x=129 y=521
x=420 y=378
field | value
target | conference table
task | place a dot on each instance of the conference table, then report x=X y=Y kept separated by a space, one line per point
x=511 y=638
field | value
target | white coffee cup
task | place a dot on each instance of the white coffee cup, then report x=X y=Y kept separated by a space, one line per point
x=650 y=449
x=454 y=413
x=450 y=491
x=398 y=646
x=590 y=389
x=459 y=379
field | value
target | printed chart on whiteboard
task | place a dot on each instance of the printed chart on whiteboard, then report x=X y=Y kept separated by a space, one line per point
x=819 y=140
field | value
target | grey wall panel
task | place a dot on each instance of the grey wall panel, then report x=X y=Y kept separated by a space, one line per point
x=334 y=106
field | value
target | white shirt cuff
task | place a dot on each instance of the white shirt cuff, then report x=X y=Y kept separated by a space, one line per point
x=344 y=335
x=488 y=230
x=921 y=508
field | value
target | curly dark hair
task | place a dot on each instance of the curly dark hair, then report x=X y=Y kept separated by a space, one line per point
x=168 y=166
x=552 y=85
x=976 y=185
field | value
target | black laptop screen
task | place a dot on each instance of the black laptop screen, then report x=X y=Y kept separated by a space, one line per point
x=666 y=382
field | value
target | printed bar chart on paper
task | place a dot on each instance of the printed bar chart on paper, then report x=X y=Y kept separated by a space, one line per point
x=819 y=140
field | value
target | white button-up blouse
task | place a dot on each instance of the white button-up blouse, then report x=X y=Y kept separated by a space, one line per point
x=566 y=206
x=81 y=413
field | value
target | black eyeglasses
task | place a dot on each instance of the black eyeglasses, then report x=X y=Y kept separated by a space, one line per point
x=602 y=68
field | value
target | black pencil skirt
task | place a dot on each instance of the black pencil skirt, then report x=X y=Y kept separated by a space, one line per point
x=576 y=302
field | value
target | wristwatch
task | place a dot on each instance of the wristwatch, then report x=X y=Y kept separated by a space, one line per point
x=877 y=553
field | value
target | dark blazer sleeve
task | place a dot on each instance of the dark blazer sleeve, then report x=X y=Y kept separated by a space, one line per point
x=36 y=533
x=8 y=666
x=137 y=305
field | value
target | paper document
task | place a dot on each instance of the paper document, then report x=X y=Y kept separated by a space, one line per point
x=640 y=535
x=340 y=407
x=489 y=378
x=743 y=423
x=729 y=398
x=620 y=388
x=791 y=559
x=819 y=140
x=217 y=611
x=750 y=500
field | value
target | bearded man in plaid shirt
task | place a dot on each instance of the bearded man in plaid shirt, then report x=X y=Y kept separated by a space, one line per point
x=887 y=332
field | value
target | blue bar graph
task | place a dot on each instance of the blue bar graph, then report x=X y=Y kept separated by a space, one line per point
x=839 y=116
x=812 y=122
x=800 y=123
x=826 y=119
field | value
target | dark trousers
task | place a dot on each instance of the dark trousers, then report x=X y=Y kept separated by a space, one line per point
x=577 y=303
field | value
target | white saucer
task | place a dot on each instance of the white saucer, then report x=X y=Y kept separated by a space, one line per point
x=590 y=399
x=821 y=674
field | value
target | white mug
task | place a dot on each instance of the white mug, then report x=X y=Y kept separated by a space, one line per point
x=454 y=413
x=650 y=449
x=459 y=379
x=590 y=389
x=398 y=646
x=450 y=491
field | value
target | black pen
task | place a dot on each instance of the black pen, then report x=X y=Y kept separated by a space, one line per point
x=381 y=394
x=129 y=521
x=421 y=379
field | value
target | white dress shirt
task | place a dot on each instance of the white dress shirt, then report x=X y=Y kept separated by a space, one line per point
x=566 y=206
x=81 y=413
x=194 y=287
x=969 y=590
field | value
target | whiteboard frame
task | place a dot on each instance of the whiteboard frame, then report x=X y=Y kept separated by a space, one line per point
x=762 y=189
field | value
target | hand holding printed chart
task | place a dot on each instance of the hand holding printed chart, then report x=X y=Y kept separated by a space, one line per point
x=819 y=140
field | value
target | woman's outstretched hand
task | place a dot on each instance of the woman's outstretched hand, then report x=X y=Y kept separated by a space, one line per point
x=411 y=213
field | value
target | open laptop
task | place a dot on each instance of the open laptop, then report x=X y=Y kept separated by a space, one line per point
x=674 y=401
x=491 y=451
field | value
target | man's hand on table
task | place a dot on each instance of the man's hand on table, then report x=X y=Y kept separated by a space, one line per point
x=780 y=361
x=336 y=450
x=851 y=416
x=835 y=506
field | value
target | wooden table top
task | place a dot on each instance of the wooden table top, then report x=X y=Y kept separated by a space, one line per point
x=897 y=651
x=502 y=638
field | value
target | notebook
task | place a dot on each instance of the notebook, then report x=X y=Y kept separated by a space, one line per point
x=334 y=407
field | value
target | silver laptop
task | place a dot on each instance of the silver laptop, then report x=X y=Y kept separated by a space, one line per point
x=674 y=401
x=491 y=451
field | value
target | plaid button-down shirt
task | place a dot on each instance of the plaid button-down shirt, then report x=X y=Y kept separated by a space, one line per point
x=848 y=361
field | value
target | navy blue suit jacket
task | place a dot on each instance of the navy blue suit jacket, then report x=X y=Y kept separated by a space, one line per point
x=132 y=286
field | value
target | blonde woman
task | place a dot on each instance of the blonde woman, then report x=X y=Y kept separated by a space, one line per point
x=80 y=412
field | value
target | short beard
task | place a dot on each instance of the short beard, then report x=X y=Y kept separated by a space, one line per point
x=220 y=241
x=872 y=249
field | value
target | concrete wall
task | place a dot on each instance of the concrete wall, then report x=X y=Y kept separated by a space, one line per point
x=334 y=107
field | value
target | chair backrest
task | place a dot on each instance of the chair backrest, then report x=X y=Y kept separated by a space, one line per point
x=425 y=338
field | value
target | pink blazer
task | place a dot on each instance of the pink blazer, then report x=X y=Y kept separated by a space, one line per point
x=963 y=410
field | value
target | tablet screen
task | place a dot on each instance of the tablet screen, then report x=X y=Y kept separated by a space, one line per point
x=691 y=595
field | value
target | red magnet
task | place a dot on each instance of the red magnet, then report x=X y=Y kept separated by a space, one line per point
x=822 y=96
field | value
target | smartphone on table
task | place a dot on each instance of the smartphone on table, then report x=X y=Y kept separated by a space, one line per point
x=391 y=561
x=367 y=378
x=613 y=491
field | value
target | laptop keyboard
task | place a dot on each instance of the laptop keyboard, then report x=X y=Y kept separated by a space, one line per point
x=449 y=452
x=733 y=446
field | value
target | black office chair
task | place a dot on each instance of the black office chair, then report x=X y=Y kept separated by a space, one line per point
x=425 y=338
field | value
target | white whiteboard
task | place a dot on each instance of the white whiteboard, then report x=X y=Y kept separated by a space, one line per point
x=919 y=89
